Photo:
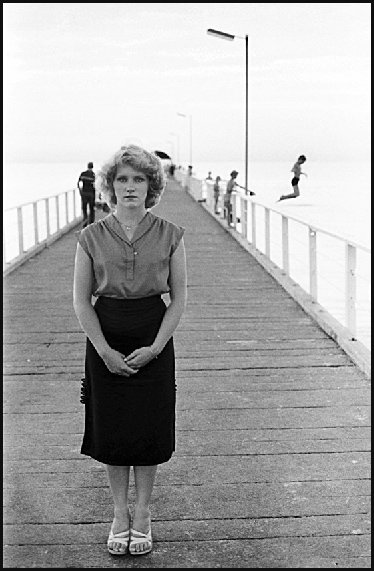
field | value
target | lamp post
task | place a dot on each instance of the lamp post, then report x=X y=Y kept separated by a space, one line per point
x=190 y=116
x=177 y=137
x=172 y=146
x=231 y=37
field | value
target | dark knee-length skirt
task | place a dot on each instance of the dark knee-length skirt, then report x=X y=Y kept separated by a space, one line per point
x=130 y=421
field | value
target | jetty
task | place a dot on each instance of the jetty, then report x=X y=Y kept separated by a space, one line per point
x=272 y=462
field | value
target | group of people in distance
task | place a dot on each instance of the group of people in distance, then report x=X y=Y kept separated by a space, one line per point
x=231 y=184
x=230 y=187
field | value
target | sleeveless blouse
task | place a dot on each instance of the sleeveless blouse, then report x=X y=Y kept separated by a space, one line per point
x=130 y=269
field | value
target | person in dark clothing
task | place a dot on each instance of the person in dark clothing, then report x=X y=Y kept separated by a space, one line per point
x=86 y=185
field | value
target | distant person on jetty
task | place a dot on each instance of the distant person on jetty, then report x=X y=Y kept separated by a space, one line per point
x=86 y=185
x=187 y=178
x=296 y=169
x=216 y=190
x=231 y=184
x=128 y=260
x=209 y=177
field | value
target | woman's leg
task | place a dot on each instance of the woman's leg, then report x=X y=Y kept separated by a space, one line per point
x=144 y=481
x=119 y=477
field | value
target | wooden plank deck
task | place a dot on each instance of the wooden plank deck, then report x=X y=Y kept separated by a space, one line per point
x=272 y=461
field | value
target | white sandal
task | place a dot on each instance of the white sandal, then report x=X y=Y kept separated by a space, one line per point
x=140 y=538
x=122 y=538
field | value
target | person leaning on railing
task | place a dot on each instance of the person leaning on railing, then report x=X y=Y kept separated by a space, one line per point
x=231 y=184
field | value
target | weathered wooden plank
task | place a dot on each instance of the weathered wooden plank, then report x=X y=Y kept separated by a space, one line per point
x=185 y=342
x=214 y=469
x=221 y=419
x=268 y=361
x=194 y=385
x=49 y=352
x=291 y=378
x=239 y=442
x=318 y=552
x=84 y=472
x=238 y=501
x=207 y=441
x=15 y=400
x=192 y=529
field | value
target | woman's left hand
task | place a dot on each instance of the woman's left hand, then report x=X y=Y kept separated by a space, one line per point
x=140 y=357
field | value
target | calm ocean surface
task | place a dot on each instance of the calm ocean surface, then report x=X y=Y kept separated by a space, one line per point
x=335 y=197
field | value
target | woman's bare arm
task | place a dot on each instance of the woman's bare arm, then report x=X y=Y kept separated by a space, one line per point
x=174 y=311
x=82 y=294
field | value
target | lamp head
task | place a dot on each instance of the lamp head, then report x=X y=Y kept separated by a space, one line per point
x=218 y=34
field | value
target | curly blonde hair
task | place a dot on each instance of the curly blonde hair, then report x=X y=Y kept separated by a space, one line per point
x=139 y=159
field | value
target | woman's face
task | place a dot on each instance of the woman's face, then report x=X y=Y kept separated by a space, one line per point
x=130 y=187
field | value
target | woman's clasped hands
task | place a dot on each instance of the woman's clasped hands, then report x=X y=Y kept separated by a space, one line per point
x=120 y=364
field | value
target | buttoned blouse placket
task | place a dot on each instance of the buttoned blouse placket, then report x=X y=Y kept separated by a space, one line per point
x=130 y=260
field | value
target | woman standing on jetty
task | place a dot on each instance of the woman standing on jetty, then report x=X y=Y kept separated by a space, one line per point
x=127 y=260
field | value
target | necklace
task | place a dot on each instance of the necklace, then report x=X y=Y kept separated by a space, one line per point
x=127 y=226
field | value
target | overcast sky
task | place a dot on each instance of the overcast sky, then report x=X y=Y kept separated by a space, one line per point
x=82 y=79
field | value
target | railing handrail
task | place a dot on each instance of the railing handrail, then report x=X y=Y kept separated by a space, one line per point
x=300 y=220
x=37 y=200
x=68 y=221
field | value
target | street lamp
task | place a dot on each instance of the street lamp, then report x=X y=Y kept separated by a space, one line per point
x=177 y=136
x=171 y=143
x=230 y=37
x=190 y=116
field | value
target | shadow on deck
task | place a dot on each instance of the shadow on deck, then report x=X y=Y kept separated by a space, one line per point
x=272 y=460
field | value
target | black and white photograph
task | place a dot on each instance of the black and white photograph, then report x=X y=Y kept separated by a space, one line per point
x=186 y=285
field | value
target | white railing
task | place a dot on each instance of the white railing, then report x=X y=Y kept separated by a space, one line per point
x=30 y=227
x=308 y=254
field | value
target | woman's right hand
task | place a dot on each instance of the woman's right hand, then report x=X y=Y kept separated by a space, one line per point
x=114 y=361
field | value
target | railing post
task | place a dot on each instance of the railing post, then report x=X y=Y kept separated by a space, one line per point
x=267 y=232
x=74 y=205
x=313 y=262
x=253 y=223
x=233 y=208
x=4 y=250
x=47 y=222
x=66 y=208
x=57 y=213
x=20 y=230
x=350 y=288
x=285 y=249
x=35 y=218
x=243 y=218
